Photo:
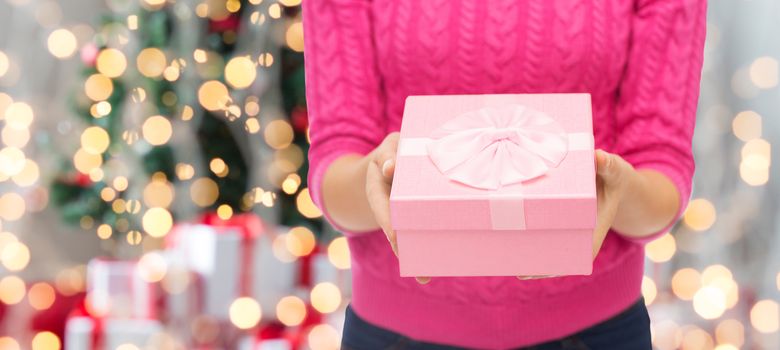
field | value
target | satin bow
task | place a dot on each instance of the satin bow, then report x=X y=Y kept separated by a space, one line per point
x=496 y=146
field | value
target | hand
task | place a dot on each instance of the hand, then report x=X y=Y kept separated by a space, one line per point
x=379 y=180
x=612 y=177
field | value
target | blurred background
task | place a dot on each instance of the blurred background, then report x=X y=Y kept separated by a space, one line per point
x=153 y=184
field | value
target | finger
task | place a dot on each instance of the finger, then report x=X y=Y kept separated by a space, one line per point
x=423 y=280
x=378 y=194
x=604 y=162
x=611 y=167
x=388 y=168
x=535 y=277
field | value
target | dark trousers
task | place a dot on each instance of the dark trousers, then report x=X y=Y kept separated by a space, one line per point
x=630 y=330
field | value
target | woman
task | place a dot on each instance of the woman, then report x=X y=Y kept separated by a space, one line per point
x=641 y=62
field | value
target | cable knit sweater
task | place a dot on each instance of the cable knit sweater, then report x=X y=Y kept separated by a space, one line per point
x=640 y=61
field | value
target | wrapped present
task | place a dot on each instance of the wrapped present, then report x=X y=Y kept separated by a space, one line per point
x=230 y=259
x=116 y=288
x=495 y=185
x=85 y=329
x=97 y=333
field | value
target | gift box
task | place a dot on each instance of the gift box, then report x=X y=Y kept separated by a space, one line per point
x=95 y=333
x=116 y=288
x=495 y=185
x=229 y=259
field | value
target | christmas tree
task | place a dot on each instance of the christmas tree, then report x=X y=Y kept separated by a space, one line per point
x=177 y=105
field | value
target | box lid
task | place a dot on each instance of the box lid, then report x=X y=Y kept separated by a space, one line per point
x=424 y=198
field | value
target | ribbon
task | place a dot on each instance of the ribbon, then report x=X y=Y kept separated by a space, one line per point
x=494 y=147
x=497 y=146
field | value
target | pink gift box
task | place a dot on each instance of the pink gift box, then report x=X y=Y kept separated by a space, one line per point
x=495 y=185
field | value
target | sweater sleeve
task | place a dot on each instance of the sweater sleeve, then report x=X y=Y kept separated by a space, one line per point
x=656 y=111
x=343 y=94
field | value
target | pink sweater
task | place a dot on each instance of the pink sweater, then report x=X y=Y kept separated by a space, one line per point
x=641 y=62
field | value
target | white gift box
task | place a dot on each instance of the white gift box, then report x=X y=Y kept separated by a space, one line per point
x=116 y=289
x=79 y=333
x=216 y=254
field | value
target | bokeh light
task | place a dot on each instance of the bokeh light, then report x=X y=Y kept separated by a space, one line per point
x=685 y=283
x=324 y=337
x=306 y=206
x=291 y=311
x=8 y=343
x=157 y=130
x=661 y=249
x=294 y=36
x=157 y=222
x=338 y=253
x=98 y=87
x=300 y=241
x=731 y=332
x=204 y=192
x=213 y=95
x=12 y=289
x=94 y=140
x=240 y=72
x=764 y=72
x=151 y=62
x=700 y=214
x=747 y=125
x=649 y=290
x=325 y=297
x=245 y=313
x=152 y=267
x=15 y=256
x=765 y=316
x=41 y=296
x=18 y=115
x=709 y=302
x=62 y=43
x=111 y=62
x=46 y=341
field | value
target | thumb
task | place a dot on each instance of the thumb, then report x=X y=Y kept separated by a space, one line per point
x=388 y=168
x=606 y=164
